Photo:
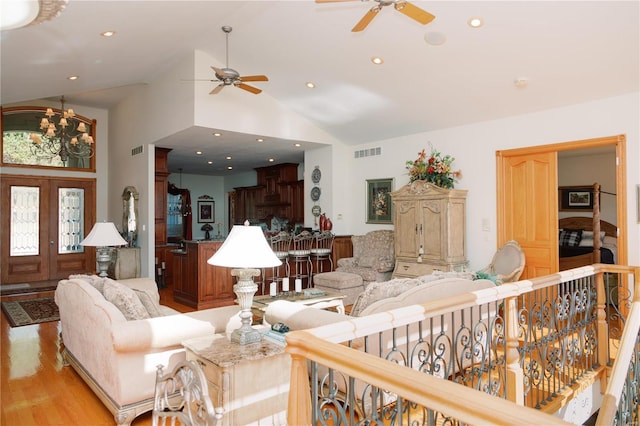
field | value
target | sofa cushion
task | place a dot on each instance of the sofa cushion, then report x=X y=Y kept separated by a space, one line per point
x=367 y=261
x=125 y=299
x=96 y=281
x=152 y=308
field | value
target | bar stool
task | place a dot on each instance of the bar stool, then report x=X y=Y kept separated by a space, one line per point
x=300 y=254
x=280 y=244
x=321 y=250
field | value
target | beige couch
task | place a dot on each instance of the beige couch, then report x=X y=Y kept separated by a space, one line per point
x=117 y=356
x=382 y=297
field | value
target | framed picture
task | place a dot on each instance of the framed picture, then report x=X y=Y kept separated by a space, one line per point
x=379 y=200
x=575 y=198
x=206 y=211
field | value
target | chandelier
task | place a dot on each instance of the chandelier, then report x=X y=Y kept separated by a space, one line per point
x=69 y=140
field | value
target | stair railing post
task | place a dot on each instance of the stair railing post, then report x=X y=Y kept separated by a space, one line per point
x=515 y=375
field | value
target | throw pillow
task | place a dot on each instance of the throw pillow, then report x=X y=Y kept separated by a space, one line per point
x=94 y=280
x=382 y=290
x=148 y=303
x=570 y=238
x=125 y=299
x=587 y=238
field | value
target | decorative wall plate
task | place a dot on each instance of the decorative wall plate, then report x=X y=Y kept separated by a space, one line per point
x=316 y=175
x=315 y=193
x=316 y=210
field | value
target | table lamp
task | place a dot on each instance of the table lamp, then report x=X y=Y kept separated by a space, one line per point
x=245 y=249
x=103 y=236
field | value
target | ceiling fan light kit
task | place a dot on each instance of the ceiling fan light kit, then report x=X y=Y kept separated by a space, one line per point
x=230 y=77
x=404 y=7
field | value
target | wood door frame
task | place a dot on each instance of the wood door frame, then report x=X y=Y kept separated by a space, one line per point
x=619 y=141
x=48 y=217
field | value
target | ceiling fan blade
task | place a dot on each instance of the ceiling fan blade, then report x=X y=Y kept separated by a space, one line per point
x=216 y=89
x=366 y=19
x=218 y=71
x=248 y=88
x=414 y=12
x=254 y=78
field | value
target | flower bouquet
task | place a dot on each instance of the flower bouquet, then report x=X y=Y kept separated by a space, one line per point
x=434 y=168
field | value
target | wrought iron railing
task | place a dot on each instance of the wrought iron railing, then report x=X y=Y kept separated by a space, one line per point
x=526 y=342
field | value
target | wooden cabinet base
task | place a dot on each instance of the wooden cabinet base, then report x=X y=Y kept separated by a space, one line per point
x=203 y=286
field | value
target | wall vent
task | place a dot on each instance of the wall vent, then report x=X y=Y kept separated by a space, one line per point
x=369 y=152
x=137 y=150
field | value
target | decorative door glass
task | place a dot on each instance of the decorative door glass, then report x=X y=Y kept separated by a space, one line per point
x=70 y=220
x=25 y=221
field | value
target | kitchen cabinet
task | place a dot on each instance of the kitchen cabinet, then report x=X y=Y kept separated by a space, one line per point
x=429 y=228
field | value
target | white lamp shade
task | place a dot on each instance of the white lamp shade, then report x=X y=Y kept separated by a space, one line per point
x=104 y=234
x=245 y=247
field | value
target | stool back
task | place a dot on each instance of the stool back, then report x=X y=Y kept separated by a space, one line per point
x=280 y=244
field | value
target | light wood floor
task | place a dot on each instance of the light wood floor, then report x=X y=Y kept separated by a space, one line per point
x=36 y=389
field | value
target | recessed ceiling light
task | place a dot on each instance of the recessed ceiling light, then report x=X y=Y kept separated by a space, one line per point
x=73 y=77
x=228 y=157
x=435 y=38
x=310 y=84
x=260 y=140
x=217 y=134
x=198 y=152
x=209 y=162
x=271 y=160
x=297 y=145
x=475 y=22
x=229 y=167
x=377 y=60
x=521 y=82
x=108 y=33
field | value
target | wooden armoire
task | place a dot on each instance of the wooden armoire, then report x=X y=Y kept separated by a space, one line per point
x=429 y=224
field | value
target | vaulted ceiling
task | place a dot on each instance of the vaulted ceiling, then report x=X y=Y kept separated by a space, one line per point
x=563 y=53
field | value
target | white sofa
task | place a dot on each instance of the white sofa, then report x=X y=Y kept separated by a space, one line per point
x=116 y=356
x=379 y=298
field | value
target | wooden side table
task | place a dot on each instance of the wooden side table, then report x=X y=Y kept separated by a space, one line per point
x=250 y=382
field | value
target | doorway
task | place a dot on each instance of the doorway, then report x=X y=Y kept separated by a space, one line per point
x=528 y=201
x=44 y=219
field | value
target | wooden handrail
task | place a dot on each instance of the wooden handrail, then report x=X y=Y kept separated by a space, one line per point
x=468 y=405
x=620 y=369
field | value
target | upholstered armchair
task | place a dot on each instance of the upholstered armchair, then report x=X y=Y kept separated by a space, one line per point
x=373 y=256
x=507 y=264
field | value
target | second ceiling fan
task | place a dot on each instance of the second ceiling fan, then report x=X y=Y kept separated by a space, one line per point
x=413 y=12
x=228 y=76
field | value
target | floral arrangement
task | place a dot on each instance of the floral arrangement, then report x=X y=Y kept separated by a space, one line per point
x=435 y=168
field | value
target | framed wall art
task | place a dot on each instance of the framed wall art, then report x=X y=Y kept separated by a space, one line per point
x=575 y=198
x=379 y=200
x=206 y=211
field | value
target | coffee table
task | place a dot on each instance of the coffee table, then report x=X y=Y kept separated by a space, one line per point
x=318 y=300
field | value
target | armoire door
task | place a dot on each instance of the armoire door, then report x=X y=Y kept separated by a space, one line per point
x=44 y=220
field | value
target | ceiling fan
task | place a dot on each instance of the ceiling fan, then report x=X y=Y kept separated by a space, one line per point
x=228 y=76
x=413 y=12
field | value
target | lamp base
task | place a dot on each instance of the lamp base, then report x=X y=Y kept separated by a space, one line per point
x=245 y=289
x=103 y=259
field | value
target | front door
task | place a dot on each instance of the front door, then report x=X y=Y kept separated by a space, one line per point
x=43 y=221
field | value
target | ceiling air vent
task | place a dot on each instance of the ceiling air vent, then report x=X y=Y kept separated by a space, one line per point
x=137 y=150
x=370 y=152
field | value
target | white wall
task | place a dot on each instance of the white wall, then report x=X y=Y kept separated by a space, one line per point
x=474 y=147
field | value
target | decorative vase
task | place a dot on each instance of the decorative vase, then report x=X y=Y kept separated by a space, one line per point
x=328 y=225
x=323 y=222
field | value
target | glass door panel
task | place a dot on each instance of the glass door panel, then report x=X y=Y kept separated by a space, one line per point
x=25 y=221
x=70 y=220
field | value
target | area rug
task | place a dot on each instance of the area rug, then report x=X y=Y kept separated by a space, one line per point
x=24 y=288
x=31 y=311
